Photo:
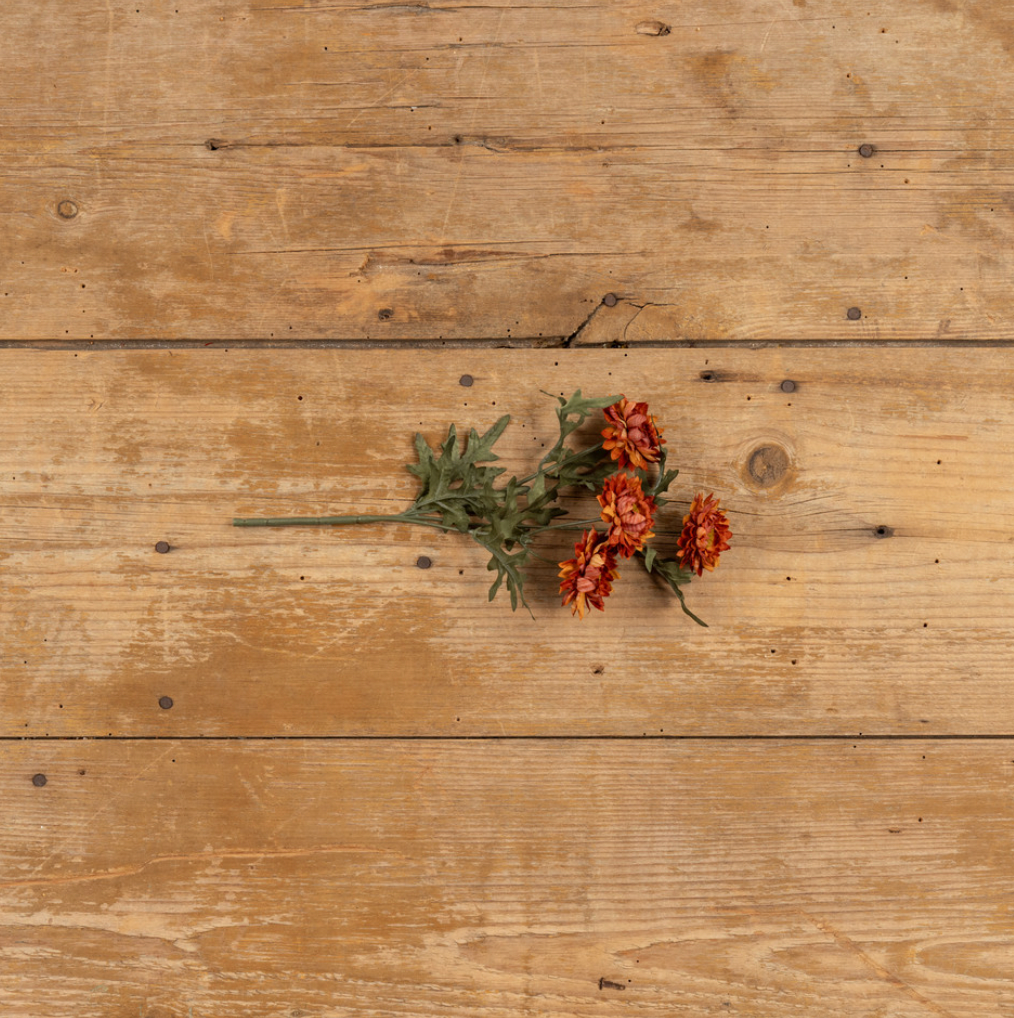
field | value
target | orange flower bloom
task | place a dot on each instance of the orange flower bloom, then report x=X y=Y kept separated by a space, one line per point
x=629 y=513
x=632 y=438
x=705 y=535
x=587 y=576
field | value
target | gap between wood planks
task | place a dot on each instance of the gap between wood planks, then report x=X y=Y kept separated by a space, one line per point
x=513 y=343
x=906 y=737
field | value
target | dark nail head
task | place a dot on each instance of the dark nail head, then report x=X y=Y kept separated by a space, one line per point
x=788 y=385
x=38 y=780
x=212 y=144
x=466 y=380
x=165 y=702
x=424 y=562
x=707 y=376
x=854 y=314
x=384 y=314
x=883 y=531
x=162 y=547
x=866 y=151
x=610 y=300
x=66 y=209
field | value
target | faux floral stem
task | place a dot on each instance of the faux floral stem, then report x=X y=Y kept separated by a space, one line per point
x=458 y=495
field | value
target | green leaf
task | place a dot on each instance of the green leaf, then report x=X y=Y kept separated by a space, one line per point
x=454 y=515
x=538 y=488
x=587 y=469
x=455 y=474
x=649 y=558
x=571 y=414
x=480 y=450
x=673 y=573
x=508 y=567
x=544 y=516
x=578 y=404
x=451 y=445
x=665 y=478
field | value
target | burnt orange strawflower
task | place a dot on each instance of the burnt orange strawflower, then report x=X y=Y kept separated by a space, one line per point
x=705 y=535
x=629 y=513
x=587 y=577
x=632 y=438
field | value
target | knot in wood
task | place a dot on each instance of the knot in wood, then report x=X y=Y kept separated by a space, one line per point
x=767 y=464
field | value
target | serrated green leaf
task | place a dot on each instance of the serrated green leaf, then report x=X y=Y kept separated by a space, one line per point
x=588 y=468
x=578 y=404
x=662 y=485
x=573 y=412
x=480 y=449
x=452 y=475
x=665 y=477
x=507 y=565
x=451 y=447
x=538 y=488
x=454 y=515
x=544 y=516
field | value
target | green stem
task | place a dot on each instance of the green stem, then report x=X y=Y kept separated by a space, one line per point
x=450 y=496
x=570 y=526
x=326 y=521
x=550 y=561
x=586 y=457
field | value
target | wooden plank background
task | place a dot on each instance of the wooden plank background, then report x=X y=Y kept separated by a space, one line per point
x=818 y=623
x=432 y=878
x=424 y=170
x=290 y=773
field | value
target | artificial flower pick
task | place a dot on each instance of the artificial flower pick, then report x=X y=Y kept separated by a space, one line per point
x=457 y=494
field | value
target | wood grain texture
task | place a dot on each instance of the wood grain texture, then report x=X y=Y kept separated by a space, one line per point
x=331 y=879
x=420 y=170
x=868 y=588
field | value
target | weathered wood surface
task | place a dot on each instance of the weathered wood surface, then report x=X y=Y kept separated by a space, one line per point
x=172 y=879
x=818 y=623
x=414 y=170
